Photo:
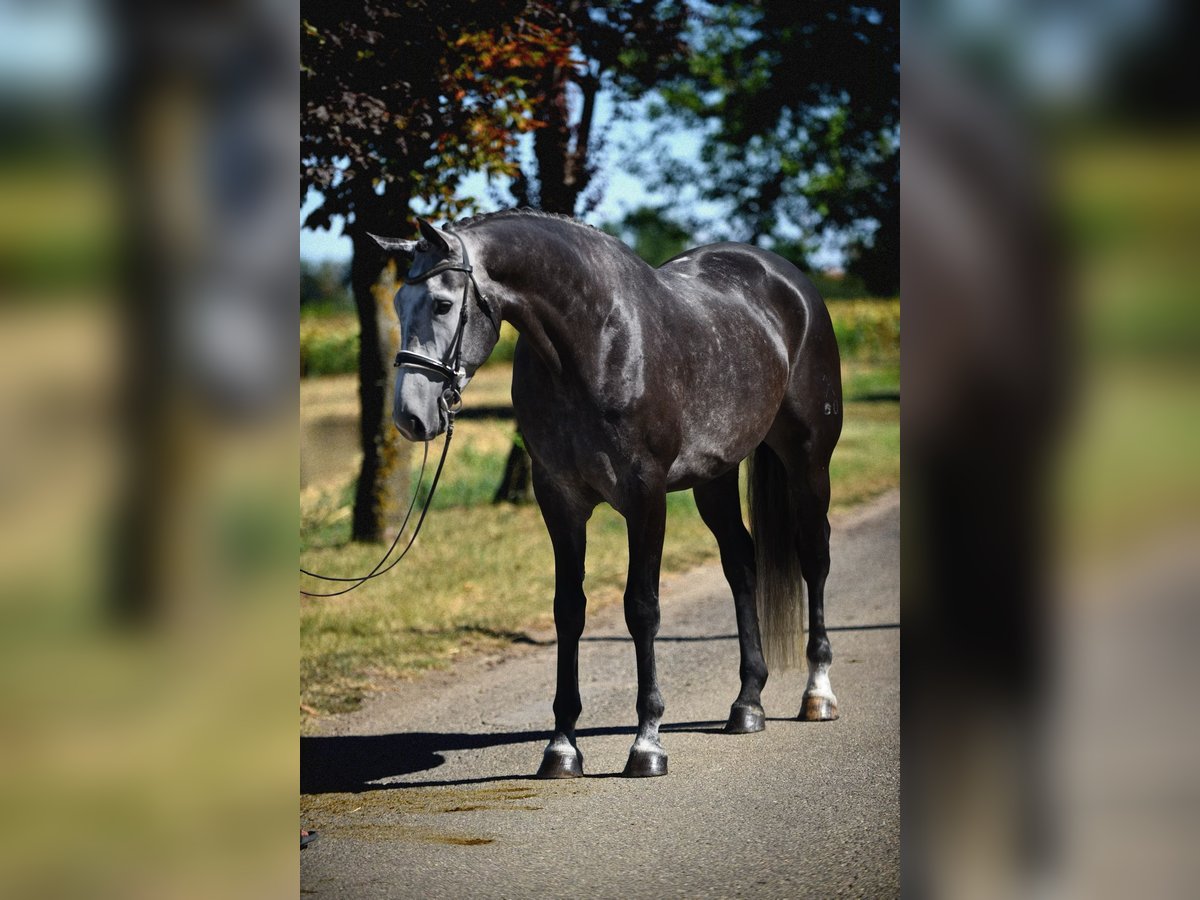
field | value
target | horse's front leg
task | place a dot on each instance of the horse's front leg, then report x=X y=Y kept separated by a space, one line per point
x=646 y=519
x=566 y=519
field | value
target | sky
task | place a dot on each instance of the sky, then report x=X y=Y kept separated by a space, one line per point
x=55 y=46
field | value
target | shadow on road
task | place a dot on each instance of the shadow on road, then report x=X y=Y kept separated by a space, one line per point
x=352 y=763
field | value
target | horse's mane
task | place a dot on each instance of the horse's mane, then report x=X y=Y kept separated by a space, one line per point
x=521 y=212
x=591 y=232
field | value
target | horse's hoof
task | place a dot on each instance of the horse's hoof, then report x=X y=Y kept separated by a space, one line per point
x=815 y=708
x=745 y=719
x=561 y=763
x=646 y=762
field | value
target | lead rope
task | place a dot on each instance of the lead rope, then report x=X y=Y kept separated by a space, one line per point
x=377 y=571
x=450 y=403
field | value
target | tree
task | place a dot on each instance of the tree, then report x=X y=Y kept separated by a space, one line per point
x=398 y=101
x=325 y=282
x=654 y=235
x=621 y=46
x=800 y=104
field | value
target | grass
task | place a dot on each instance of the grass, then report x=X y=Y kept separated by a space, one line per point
x=479 y=577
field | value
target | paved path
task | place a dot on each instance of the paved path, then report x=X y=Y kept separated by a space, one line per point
x=425 y=792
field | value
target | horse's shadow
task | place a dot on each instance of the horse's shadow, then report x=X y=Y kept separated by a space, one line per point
x=354 y=763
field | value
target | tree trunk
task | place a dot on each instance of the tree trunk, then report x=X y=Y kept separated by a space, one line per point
x=517 y=484
x=381 y=493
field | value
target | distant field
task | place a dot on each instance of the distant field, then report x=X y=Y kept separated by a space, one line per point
x=867 y=330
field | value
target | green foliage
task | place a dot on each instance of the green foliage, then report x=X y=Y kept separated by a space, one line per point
x=329 y=342
x=506 y=346
x=328 y=346
x=838 y=286
x=800 y=106
x=623 y=49
x=58 y=234
x=867 y=330
x=870 y=381
x=325 y=287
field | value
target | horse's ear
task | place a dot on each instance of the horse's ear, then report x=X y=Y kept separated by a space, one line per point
x=404 y=248
x=435 y=238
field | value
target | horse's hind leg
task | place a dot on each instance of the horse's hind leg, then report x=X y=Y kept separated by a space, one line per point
x=720 y=507
x=809 y=484
x=566 y=518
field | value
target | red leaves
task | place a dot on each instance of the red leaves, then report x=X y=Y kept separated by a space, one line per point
x=429 y=89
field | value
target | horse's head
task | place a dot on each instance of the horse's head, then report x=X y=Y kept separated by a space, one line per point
x=447 y=330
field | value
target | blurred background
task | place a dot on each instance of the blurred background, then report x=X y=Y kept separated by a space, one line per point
x=148 y=271
x=1049 y=215
x=147 y=337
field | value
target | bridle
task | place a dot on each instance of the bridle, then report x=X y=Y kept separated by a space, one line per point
x=451 y=370
x=449 y=402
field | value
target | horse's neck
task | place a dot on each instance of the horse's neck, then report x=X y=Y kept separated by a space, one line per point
x=543 y=326
x=545 y=314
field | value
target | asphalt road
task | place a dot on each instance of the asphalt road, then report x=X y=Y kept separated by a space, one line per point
x=426 y=791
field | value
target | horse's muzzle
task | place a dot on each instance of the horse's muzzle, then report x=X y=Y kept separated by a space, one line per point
x=414 y=429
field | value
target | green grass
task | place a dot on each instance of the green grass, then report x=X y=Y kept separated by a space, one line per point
x=865 y=381
x=1127 y=480
x=478 y=577
x=867 y=459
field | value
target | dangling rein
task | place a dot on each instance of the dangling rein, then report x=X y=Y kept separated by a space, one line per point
x=450 y=402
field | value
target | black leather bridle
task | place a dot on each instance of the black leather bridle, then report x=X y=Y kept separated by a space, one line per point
x=450 y=403
x=449 y=368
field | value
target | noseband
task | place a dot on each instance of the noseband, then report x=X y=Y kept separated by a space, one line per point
x=450 y=368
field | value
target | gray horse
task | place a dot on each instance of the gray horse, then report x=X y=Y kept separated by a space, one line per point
x=629 y=382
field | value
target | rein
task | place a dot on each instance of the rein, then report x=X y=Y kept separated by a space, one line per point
x=450 y=403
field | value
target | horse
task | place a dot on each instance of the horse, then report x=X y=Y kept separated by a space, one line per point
x=629 y=382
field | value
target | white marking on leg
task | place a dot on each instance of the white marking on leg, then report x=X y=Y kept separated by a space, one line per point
x=645 y=745
x=560 y=746
x=818 y=681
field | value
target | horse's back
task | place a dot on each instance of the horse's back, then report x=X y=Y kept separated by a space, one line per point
x=752 y=337
x=724 y=276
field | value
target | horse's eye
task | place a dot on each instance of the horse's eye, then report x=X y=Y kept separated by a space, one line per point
x=442 y=306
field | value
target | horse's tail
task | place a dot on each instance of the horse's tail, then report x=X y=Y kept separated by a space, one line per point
x=775 y=526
